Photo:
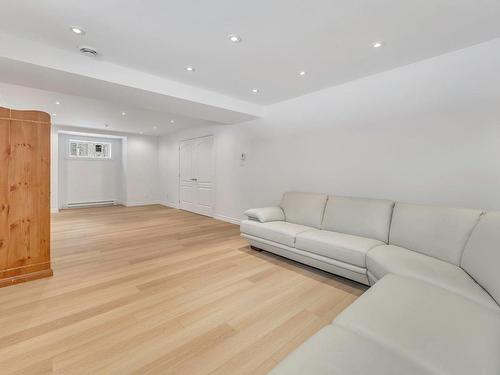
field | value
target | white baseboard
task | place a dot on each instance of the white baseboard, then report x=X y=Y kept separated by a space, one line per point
x=146 y=203
x=227 y=219
x=169 y=204
x=176 y=205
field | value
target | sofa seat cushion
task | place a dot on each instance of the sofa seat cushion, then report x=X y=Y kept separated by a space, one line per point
x=339 y=246
x=277 y=231
x=441 y=330
x=338 y=351
x=383 y=260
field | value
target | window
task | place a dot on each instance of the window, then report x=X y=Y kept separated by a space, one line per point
x=89 y=150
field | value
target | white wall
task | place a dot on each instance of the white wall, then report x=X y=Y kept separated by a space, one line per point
x=90 y=180
x=142 y=170
x=139 y=170
x=425 y=133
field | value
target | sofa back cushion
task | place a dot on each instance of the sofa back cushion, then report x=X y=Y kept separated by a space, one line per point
x=436 y=231
x=304 y=208
x=363 y=217
x=481 y=258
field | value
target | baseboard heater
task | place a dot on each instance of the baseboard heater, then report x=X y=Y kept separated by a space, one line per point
x=89 y=204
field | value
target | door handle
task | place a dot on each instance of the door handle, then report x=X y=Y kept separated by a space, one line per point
x=194 y=179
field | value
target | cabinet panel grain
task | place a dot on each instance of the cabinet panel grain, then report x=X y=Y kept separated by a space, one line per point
x=24 y=196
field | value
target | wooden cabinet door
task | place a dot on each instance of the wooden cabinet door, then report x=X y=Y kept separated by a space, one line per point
x=28 y=177
x=24 y=198
x=4 y=192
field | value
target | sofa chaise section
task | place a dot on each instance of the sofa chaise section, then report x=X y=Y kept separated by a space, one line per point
x=434 y=307
x=442 y=331
x=403 y=326
x=335 y=350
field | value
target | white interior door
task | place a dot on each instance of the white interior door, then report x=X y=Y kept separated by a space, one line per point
x=196 y=174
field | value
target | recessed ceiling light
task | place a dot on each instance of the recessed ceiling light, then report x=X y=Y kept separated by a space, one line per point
x=106 y=125
x=234 y=38
x=189 y=68
x=54 y=114
x=378 y=44
x=155 y=127
x=57 y=103
x=77 y=30
x=255 y=91
x=302 y=73
x=124 y=113
x=172 y=121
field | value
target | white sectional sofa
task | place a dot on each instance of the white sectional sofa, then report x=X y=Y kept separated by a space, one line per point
x=433 y=307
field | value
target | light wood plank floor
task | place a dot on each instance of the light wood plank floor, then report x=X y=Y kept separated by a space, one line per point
x=154 y=290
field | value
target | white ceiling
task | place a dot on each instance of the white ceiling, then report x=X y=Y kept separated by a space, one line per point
x=330 y=39
x=83 y=112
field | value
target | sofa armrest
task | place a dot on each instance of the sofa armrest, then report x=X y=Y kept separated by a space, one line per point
x=266 y=214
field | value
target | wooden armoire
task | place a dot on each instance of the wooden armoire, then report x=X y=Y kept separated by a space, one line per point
x=24 y=196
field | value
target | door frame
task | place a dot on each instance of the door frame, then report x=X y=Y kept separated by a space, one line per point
x=214 y=173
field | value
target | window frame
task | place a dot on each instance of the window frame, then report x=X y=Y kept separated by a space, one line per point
x=90 y=157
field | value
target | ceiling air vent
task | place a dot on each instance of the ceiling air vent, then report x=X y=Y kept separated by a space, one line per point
x=89 y=51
